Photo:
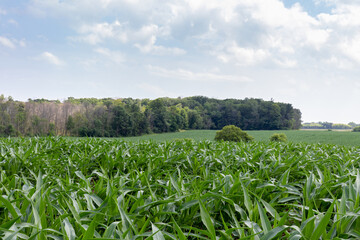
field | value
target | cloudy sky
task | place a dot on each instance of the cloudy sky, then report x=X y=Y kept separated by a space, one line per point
x=302 y=52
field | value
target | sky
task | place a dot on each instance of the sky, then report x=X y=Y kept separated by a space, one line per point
x=306 y=53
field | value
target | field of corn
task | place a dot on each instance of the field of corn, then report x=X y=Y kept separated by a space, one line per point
x=61 y=188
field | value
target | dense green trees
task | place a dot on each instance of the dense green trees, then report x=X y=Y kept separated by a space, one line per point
x=121 y=123
x=159 y=116
x=130 y=117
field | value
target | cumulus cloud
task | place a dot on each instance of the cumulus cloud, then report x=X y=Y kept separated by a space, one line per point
x=143 y=38
x=342 y=16
x=195 y=76
x=343 y=23
x=239 y=32
x=351 y=48
x=99 y=32
x=51 y=58
x=160 y=50
x=7 y=42
x=242 y=56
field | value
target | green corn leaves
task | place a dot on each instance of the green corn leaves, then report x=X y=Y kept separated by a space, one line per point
x=63 y=188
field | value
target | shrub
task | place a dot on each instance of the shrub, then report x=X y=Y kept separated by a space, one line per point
x=356 y=129
x=232 y=133
x=278 y=137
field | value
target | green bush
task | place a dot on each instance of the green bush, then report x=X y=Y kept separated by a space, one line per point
x=278 y=137
x=356 y=129
x=233 y=134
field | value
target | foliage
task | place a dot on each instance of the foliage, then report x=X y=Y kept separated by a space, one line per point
x=356 y=129
x=326 y=125
x=353 y=124
x=8 y=131
x=132 y=117
x=278 y=137
x=233 y=134
x=111 y=189
x=341 y=126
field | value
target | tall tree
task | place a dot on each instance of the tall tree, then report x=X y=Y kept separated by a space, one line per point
x=158 y=116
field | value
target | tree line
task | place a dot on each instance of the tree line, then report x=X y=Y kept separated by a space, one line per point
x=109 y=117
x=329 y=125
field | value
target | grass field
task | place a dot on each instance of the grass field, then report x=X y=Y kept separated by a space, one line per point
x=90 y=188
x=345 y=138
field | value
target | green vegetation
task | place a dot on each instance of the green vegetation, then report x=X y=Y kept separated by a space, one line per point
x=347 y=138
x=356 y=129
x=328 y=125
x=91 y=117
x=278 y=137
x=233 y=134
x=65 y=188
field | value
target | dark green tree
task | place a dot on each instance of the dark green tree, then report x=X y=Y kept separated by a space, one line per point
x=121 y=123
x=158 y=116
x=8 y=131
x=70 y=125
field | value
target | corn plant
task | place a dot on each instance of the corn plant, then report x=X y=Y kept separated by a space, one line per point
x=63 y=188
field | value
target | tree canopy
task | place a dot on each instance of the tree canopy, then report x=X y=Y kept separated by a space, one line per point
x=130 y=117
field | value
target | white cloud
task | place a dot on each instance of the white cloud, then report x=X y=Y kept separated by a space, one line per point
x=195 y=76
x=351 y=48
x=344 y=24
x=7 y=42
x=260 y=32
x=240 y=32
x=242 y=56
x=344 y=15
x=96 y=33
x=160 y=50
x=144 y=38
x=12 y=43
x=116 y=57
x=292 y=27
x=51 y=58
x=2 y=12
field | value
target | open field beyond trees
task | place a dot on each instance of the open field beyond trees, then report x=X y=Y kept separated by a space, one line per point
x=345 y=138
x=68 y=188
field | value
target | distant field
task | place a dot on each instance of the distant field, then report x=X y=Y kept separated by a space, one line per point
x=197 y=135
x=345 y=138
x=327 y=137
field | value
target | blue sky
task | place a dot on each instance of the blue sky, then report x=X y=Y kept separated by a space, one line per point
x=302 y=52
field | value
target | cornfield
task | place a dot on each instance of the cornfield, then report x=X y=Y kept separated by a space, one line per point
x=61 y=188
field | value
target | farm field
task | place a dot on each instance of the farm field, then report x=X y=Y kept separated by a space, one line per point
x=68 y=188
x=345 y=138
